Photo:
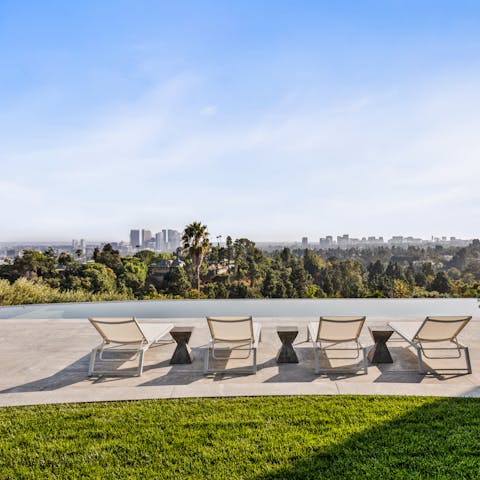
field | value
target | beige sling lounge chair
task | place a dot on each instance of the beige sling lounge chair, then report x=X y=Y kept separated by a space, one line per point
x=124 y=335
x=232 y=334
x=330 y=332
x=435 y=330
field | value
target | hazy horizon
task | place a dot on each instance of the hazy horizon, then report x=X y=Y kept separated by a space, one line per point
x=266 y=121
x=213 y=239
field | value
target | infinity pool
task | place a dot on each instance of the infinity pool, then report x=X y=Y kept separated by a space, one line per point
x=411 y=307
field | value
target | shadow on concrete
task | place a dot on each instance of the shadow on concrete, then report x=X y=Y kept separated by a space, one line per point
x=176 y=375
x=304 y=370
x=436 y=438
x=292 y=373
x=390 y=376
x=77 y=372
x=339 y=372
x=218 y=369
x=190 y=373
x=74 y=373
x=404 y=369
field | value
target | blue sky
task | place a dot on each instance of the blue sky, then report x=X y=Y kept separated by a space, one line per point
x=270 y=120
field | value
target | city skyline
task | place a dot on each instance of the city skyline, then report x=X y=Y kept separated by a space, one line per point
x=153 y=236
x=258 y=120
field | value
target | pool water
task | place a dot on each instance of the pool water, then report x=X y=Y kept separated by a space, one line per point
x=408 y=308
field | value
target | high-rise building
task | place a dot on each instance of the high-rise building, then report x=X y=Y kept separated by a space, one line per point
x=304 y=242
x=79 y=245
x=343 y=241
x=160 y=244
x=146 y=237
x=326 y=242
x=135 y=238
x=174 y=239
x=151 y=244
x=396 y=240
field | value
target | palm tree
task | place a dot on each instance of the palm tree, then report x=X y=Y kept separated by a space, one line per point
x=195 y=241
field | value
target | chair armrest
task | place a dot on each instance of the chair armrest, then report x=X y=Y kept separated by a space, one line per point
x=257 y=328
x=313 y=332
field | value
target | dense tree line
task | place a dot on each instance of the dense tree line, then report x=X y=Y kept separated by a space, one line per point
x=239 y=269
x=383 y=272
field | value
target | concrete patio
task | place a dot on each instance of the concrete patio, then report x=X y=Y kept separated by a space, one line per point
x=46 y=361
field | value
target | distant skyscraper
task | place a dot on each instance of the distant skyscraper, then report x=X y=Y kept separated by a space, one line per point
x=146 y=237
x=304 y=242
x=159 y=243
x=135 y=238
x=343 y=241
x=174 y=239
x=326 y=242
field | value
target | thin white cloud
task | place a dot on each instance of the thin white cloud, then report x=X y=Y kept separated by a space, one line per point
x=209 y=110
x=15 y=193
x=379 y=163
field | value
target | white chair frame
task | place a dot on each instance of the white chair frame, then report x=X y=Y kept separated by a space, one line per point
x=418 y=343
x=137 y=347
x=249 y=344
x=315 y=336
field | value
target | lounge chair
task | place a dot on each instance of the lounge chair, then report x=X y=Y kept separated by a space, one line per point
x=434 y=330
x=124 y=335
x=232 y=334
x=329 y=332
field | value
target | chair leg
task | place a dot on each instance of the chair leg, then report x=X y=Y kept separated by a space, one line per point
x=315 y=359
x=254 y=360
x=205 y=364
x=91 y=366
x=467 y=358
x=140 y=363
x=365 y=361
x=421 y=370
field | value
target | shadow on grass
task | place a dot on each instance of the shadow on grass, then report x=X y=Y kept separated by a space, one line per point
x=439 y=439
x=263 y=438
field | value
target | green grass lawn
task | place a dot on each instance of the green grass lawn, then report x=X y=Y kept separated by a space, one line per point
x=258 y=438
